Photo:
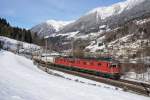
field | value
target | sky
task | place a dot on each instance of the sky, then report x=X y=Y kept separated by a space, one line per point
x=28 y=13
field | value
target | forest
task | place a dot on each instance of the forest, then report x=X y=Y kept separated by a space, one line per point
x=16 y=33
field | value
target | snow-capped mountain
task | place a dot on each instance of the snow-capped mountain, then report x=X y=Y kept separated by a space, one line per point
x=119 y=26
x=111 y=16
x=115 y=9
x=49 y=27
x=118 y=13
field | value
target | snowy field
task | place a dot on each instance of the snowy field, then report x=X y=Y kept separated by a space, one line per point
x=143 y=78
x=21 y=80
x=12 y=44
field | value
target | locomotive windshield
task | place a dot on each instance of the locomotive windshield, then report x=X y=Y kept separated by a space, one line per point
x=113 y=65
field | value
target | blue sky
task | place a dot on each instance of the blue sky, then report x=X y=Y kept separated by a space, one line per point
x=27 y=13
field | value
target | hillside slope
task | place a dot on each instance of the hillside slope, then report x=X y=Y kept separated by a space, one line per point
x=24 y=81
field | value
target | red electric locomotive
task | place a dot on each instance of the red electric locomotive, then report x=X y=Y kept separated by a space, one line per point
x=101 y=67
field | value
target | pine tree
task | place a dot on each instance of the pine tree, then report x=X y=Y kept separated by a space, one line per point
x=14 y=32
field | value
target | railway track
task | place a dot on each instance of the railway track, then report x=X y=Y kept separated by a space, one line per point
x=139 y=88
x=136 y=83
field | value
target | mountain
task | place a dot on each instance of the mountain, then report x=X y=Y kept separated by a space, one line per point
x=49 y=27
x=111 y=16
x=119 y=28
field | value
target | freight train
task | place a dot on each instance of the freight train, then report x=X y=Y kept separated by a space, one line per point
x=105 y=67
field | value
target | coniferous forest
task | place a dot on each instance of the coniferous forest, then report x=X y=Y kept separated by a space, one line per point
x=14 y=32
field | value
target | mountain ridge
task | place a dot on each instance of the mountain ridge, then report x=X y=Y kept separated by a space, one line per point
x=92 y=19
x=118 y=30
x=49 y=27
x=107 y=15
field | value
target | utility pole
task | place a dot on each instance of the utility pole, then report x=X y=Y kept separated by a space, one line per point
x=46 y=42
x=46 y=53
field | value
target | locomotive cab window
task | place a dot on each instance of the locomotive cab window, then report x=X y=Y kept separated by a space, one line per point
x=113 y=65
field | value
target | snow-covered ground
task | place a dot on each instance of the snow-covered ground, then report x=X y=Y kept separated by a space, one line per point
x=21 y=80
x=144 y=78
x=12 y=44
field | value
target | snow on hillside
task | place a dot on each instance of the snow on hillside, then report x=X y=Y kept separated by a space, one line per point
x=21 y=80
x=143 y=21
x=49 y=27
x=58 y=24
x=104 y=12
x=119 y=44
x=12 y=44
x=68 y=35
x=94 y=46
